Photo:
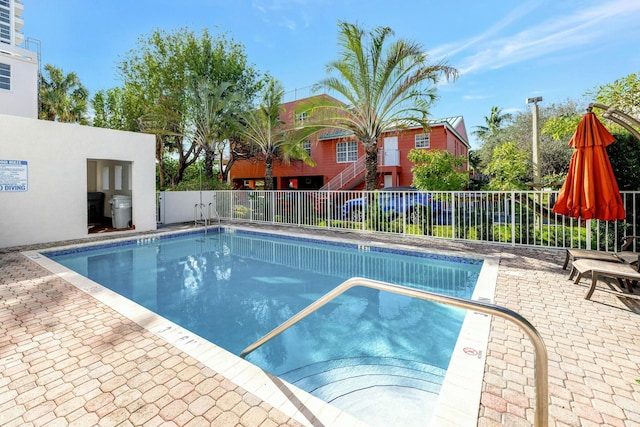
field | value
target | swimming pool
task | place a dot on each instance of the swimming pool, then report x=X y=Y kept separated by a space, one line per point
x=231 y=288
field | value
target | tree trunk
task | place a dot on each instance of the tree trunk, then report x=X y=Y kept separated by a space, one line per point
x=209 y=160
x=268 y=172
x=160 y=159
x=371 y=171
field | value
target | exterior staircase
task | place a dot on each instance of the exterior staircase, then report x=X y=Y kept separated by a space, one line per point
x=350 y=176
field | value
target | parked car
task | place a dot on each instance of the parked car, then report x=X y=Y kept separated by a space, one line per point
x=394 y=202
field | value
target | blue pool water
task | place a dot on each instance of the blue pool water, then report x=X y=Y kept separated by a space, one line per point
x=231 y=288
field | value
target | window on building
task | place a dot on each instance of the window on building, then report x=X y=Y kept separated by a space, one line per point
x=5 y=23
x=423 y=140
x=307 y=146
x=347 y=151
x=300 y=118
x=4 y=15
x=5 y=76
x=5 y=33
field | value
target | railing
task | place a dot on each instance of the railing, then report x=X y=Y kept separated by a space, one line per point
x=347 y=175
x=204 y=219
x=541 y=358
x=512 y=217
x=213 y=212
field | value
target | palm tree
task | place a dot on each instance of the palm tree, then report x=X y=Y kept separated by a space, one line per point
x=62 y=97
x=272 y=137
x=387 y=85
x=212 y=115
x=494 y=123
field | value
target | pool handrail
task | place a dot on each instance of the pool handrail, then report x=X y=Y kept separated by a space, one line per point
x=204 y=218
x=541 y=418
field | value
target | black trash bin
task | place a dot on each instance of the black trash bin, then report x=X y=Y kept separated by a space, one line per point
x=95 y=206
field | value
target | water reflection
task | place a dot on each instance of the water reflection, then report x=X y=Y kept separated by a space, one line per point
x=233 y=288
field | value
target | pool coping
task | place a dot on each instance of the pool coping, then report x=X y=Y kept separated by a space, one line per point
x=462 y=382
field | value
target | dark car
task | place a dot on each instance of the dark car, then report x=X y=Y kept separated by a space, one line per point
x=393 y=202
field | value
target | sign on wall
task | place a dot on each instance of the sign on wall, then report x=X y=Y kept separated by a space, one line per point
x=13 y=175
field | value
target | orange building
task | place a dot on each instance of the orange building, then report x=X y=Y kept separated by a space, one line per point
x=339 y=157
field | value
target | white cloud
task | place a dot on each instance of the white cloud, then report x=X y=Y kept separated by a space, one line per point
x=557 y=34
x=290 y=14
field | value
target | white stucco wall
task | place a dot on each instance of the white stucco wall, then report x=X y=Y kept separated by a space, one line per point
x=54 y=207
x=22 y=98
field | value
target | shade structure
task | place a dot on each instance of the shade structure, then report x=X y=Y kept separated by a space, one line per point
x=591 y=190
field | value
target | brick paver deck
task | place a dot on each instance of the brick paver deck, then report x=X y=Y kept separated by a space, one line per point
x=67 y=359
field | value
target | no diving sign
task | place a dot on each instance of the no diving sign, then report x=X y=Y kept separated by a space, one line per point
x=14 y=175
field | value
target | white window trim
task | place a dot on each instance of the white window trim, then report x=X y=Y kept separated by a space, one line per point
x=302 y=117
x=422 y=140
x=347 y=152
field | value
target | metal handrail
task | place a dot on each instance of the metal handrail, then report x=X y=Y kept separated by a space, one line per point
x=348 y=174
x=541 y=358
x=203 y=216
x=213 y=207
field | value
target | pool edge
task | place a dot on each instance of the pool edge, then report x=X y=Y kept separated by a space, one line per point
x=469 y=353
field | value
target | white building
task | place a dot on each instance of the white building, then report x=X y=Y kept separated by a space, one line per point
x=57 y=178
x=18 y=66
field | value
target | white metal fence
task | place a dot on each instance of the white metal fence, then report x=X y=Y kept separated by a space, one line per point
x=511 y=217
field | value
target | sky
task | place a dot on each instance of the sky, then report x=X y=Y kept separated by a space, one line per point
x=505 y=51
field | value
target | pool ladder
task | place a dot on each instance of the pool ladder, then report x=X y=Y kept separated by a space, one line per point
x=541 y=359
x=205 y=218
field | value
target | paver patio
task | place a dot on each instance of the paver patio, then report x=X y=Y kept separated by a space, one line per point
x=67 y=359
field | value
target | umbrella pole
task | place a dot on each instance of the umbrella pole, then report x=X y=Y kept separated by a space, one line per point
x=588 y=225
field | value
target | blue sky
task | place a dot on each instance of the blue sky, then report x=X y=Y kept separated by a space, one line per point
x=505 y=50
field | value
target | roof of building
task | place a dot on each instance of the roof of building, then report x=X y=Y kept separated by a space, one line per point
x=451 y=123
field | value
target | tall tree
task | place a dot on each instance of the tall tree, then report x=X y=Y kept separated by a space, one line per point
x=63 y=98
x=212 y=119
x=263 y=128
x=508 y=168
x=387 y=85
x=157 y=92
x=494 y=123
x=116 y=108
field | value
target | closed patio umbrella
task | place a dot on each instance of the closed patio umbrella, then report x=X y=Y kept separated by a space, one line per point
x=591 y=190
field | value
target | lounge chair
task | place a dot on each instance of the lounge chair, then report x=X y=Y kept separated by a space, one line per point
x=598 y=268
x=623 y=256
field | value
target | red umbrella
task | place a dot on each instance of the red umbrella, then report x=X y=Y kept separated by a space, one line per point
x=591 y=190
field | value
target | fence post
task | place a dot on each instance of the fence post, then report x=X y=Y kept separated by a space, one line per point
x=453 y=215
x=513 y=218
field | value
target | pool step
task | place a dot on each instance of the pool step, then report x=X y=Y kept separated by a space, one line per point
x=337 y=378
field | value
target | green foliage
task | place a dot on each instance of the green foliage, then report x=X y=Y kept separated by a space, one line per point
x=623 y=94
x=554 y=138
x=553 y=181
x=158 y=93
x=508 y=168
x=116 y=108
x=561 y=127
x=194 y=178
x=494 y=123
x=438 y=170
x=62 y=96
x=624 y=155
